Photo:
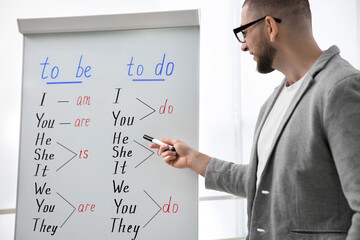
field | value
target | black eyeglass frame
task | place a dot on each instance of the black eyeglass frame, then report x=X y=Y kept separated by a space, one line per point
x=242 y=28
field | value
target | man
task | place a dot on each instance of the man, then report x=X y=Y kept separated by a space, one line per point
x=303 y=180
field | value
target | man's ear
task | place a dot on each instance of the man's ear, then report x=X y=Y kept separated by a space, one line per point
x=272 y=28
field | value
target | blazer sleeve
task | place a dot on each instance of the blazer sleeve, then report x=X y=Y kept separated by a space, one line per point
x=226 y=177
x=342 y=126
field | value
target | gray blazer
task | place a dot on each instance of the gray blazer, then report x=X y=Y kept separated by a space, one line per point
x=310 y=187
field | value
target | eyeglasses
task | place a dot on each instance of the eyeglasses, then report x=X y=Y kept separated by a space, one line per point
x=241 y=35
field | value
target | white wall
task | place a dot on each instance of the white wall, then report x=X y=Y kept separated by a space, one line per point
x=358 y=31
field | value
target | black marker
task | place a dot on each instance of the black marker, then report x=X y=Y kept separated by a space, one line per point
x=158 y=142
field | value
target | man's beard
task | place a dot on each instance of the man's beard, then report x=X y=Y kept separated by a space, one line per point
x=265 y=61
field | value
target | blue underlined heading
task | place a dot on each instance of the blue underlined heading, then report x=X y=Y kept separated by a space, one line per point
x=74 y=82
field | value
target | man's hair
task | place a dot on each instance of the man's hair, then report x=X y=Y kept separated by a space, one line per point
x=296 y=13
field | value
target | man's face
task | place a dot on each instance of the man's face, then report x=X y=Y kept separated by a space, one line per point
x=257 y=44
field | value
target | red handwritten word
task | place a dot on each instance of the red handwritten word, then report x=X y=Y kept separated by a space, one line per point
x=86 y=207
x=84 y=154
x=166 y=207
x=82 y=122
x=83 y=100
x=164 y=110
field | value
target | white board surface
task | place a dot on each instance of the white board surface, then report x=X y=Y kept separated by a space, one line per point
x=85 y=171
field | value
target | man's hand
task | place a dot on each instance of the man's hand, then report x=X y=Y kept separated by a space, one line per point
x=184 y=157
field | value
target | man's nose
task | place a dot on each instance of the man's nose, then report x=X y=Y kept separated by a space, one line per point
x=244 y=47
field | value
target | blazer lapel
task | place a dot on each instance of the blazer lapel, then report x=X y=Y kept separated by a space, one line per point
x=254 y=156
x=303 y=88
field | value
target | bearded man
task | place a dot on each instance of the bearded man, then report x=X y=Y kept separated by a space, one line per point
x=303 y=179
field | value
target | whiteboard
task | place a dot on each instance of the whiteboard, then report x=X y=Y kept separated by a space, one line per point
x=88 y=97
